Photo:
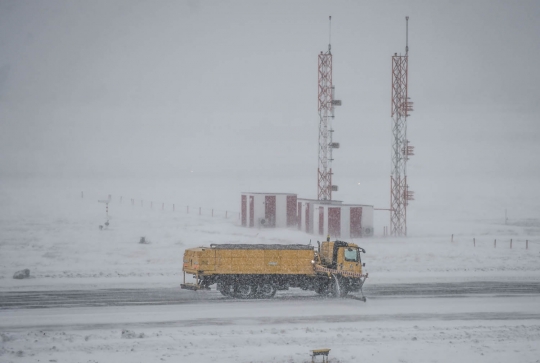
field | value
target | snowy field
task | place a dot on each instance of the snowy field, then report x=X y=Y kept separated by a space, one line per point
x=395 y=330
x=49 y=227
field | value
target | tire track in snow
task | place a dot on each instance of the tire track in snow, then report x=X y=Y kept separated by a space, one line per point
x=175 y=296
x=261 y=321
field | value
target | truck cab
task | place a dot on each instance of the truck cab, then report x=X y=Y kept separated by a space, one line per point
x=341 y=256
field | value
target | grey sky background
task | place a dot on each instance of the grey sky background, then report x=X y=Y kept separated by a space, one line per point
x=128 y=88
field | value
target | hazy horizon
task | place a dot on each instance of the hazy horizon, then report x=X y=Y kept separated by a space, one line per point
x=179 y=89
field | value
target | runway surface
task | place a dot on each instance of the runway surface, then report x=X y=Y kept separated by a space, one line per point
x=175 y=296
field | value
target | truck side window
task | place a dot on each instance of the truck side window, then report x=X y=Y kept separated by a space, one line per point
x=351 y=254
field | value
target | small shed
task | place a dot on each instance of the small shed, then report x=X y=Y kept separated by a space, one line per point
x=306 y=213
x=335 y=219
x=268 y=209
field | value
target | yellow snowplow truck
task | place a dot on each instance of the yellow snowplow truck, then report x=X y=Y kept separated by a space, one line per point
x=259 y=270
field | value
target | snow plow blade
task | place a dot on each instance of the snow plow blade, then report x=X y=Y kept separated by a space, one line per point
x=363 y=298
x=193 y=287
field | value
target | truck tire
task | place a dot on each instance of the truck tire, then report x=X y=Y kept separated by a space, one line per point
x=245 y=291
x=322 y=289
x=225 y=289
x=343 y=291
x=266 y=291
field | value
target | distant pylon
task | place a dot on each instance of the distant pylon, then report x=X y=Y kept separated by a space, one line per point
x=401 y=150
x=326 y=114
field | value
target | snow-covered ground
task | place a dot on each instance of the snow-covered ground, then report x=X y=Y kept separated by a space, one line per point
x=54 y=232
x=392 y=330
x=50 y=228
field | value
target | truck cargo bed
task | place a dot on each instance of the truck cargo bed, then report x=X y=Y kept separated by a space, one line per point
x=250 y=259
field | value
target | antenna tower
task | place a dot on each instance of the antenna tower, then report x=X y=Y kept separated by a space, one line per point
x=326 y=115
x=401 y=150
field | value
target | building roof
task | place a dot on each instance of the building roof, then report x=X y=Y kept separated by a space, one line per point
x=317 y=201
x=269 y=193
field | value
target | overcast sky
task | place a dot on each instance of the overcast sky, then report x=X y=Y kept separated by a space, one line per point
x=167 y=87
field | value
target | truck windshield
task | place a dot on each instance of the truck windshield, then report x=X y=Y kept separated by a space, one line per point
x=351 y=254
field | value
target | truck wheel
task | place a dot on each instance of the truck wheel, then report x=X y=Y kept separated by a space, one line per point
x=345 y=288
x=244 y=291
x=322 y=290
x=266 y=291
x=225 y=289
x=343 y=291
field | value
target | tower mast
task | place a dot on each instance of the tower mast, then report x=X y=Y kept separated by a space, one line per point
x=401 y=150
x=326 y=105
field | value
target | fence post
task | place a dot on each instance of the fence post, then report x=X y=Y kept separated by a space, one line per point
x=510 y=243
x=527 y=244
x=474 y=242
x=452 y=240
x=495 y=243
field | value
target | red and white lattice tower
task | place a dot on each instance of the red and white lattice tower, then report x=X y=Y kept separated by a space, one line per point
x=401 y=150
x=326 y=114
